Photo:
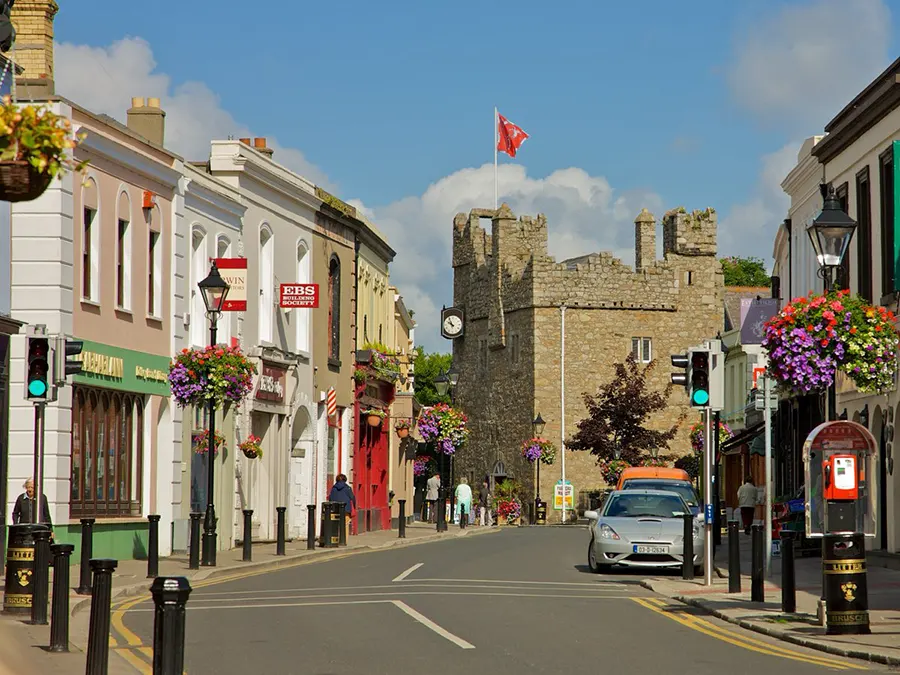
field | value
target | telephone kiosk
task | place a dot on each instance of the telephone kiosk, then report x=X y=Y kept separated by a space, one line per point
x=840 y=489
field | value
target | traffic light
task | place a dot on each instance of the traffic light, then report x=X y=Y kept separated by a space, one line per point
x=37 y=379
x=63 y=367
x=681 y=361
x=699 y=385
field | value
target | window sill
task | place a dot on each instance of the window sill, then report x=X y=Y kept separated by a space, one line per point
x=90 y=303
x=155 y=319
x=333 y=362
x=122 y=310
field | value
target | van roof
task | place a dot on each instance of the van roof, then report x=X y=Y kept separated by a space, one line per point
x=645 y=472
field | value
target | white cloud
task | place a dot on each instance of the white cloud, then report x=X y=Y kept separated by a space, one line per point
x=103 y=80
x=806 y=62
x=584 y=214
x=798 y=68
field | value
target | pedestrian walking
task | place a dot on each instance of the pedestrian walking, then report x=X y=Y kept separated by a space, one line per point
x=747 y=497
x=432 y=493
x=484 y=503
x=24 y=507
x=463 y=499
x=342 y=492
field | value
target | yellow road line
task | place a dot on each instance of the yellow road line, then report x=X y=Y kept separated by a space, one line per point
x=136 y=661
x=750 y=644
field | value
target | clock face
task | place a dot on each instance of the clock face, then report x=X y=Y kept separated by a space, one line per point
x=452 y=325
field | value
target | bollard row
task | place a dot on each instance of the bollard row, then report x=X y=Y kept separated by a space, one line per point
x=98 y=634
x=687 y=557
x=87 y=552
x=734 y=557
x=59 y=617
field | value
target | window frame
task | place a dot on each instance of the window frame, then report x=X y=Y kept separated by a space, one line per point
x=886 y=206
x=864 y=268
x=641 y=345
x=87 y=253
x=842 y=192
x=265 y=308
x=123 y=264
x=154 y=275
x=334 y=311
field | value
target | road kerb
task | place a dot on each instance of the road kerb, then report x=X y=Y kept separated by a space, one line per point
x=323 y=555
x=778 y=633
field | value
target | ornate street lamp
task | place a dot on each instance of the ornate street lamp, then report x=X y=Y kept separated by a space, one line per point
x=537 y=427
x=442 y=384
x=214 y=290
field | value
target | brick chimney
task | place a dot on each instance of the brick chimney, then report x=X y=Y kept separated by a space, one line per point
x=33 y=21
x=147 y=119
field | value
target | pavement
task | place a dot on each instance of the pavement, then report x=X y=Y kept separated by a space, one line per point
x=521 y=601
x=803 y=627
x=130 y=580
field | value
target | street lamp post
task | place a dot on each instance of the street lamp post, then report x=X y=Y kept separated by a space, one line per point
x=537 y=426
x=445 y=383
x=214 y=290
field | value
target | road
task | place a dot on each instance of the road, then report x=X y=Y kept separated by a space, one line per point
x=517 y=601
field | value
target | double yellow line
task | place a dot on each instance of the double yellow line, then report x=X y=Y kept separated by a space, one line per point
x=661 y=606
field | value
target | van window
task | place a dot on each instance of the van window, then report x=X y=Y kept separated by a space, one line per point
x=687 y=492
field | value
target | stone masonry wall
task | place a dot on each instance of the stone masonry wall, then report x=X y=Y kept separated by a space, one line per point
x=509 y=359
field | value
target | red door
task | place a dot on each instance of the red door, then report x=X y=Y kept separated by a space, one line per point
x=370 y=473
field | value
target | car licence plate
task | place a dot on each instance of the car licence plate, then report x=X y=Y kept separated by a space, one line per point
x=650 y=549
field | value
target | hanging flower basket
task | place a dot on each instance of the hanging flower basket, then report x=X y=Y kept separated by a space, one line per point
x=535 y=449
x=219 y=374
x=659 y=462
x=696 y=435
x=252 y=447
x=444 y=426
x=813 y=337
x=200 y=441
x=374 y=416
x=34 y=147
x=423 y=464
x=612 y=469
x=402 y=428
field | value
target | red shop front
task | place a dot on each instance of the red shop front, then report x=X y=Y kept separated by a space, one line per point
x=371 y=458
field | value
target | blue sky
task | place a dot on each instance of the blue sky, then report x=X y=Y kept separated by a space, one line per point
x=646 y=103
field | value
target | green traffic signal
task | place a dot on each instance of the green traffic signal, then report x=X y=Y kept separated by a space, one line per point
x=700 y=397
x=37 y=388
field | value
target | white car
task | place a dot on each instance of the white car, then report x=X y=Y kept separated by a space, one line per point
x=642 y=528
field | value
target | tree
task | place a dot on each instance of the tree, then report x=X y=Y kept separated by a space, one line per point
x=745 y=272
x=427 y=368
x=617 y=414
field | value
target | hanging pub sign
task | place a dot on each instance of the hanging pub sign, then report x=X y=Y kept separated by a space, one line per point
x=234 y=272
x=294 y=296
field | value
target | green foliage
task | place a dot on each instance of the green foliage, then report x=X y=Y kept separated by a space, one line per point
x=427 y=368
x=379 y=347
x=745 y=272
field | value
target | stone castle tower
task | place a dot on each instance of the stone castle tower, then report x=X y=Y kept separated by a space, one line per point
x=516 y=298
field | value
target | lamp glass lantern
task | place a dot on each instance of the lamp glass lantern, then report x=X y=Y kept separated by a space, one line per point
x=214 y=290
x=830 y=233
x=442 y=384
x=453 y=375
x=538 y=425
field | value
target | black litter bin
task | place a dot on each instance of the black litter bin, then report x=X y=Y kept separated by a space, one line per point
x=331 y=524
x=541 y=513
x=19 y=587
x=846 y=590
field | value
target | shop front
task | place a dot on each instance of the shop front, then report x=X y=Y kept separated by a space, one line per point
x=120 y=418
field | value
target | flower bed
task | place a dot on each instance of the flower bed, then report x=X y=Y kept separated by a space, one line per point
x=510 y=509
x=444 y=426
x=696 y=436
x=535 y=449
x=219 y=374
x=813 y=337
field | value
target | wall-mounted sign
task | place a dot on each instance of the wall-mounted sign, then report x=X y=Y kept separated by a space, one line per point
x=271 y=383
x=122 y=369
x=234 y=272
x=561 y=493
x=299 y=295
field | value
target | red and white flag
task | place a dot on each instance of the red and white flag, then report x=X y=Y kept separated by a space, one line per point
x=510 y=136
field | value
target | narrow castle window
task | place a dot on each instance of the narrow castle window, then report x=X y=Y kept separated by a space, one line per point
x=688 y=278
x=514 y=348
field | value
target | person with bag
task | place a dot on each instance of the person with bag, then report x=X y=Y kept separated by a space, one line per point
x=343 y=493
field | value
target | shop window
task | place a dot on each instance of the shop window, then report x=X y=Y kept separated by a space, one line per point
x=107 y=453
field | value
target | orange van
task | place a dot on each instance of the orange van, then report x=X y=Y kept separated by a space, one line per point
x=651 y=472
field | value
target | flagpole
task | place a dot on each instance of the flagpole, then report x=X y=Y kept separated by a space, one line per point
x=496 y=140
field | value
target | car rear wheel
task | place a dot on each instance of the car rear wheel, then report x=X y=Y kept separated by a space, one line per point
x=596 y=567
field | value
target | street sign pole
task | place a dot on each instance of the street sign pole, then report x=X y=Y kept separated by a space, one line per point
x=707 y=497
x=767 y=515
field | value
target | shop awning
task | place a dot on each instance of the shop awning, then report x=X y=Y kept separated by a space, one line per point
x=733 y=444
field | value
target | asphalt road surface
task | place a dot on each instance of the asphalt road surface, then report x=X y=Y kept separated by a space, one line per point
x=511 y=602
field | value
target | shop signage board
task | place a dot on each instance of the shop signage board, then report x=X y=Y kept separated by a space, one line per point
x=299 y=296
x=122 y=369
x=234 y=272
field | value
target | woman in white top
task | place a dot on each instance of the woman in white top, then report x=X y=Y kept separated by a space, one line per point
x=463 y=498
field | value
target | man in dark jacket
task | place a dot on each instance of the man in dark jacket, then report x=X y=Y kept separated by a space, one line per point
x=23 y=510
x=341 y=492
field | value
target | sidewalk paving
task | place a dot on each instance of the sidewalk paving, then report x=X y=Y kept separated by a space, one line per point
x=130 y=579
x=802 y=627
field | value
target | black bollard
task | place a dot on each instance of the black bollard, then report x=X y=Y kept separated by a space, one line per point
x=170 y=595
x=687 y=563
x=788 y=581
x=463 y=517
x=87 y=552
x=757 y=565
x=342 y=519
x=248 y=535
x=41 y=577
x=734 y=557
x=401 y=521
x=153 y=546
x=311 y=527
x=98 y=632
x=194 y=558
x=59 y=618
x=279 y=543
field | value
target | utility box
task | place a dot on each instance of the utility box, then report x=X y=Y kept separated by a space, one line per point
x=838 y=461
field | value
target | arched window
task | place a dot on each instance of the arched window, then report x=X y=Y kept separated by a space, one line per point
x=334 y=307
x=199 y=270
x=90 y=241
x=123 y=252
x=302 y=314
x=223 y=250
x=266 y=283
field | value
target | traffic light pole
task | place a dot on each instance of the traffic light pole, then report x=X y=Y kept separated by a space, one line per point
x=37 y=506
x=709 y=510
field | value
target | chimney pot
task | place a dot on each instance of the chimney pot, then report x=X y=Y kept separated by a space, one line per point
x=259 y=142
x=245 y=141
x=153 y=103
x=137 y=102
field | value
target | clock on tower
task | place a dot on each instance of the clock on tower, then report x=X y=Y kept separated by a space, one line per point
x=452 y=323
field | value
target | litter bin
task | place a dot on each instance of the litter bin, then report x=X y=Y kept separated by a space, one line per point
x=846 y=590
x=19 y=587
x=331 y=523
x=541 y=513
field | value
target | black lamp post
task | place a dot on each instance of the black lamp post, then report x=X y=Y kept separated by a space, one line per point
x=214 y=290
x=830 y=235
x=445 y=383
x=537 y=426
